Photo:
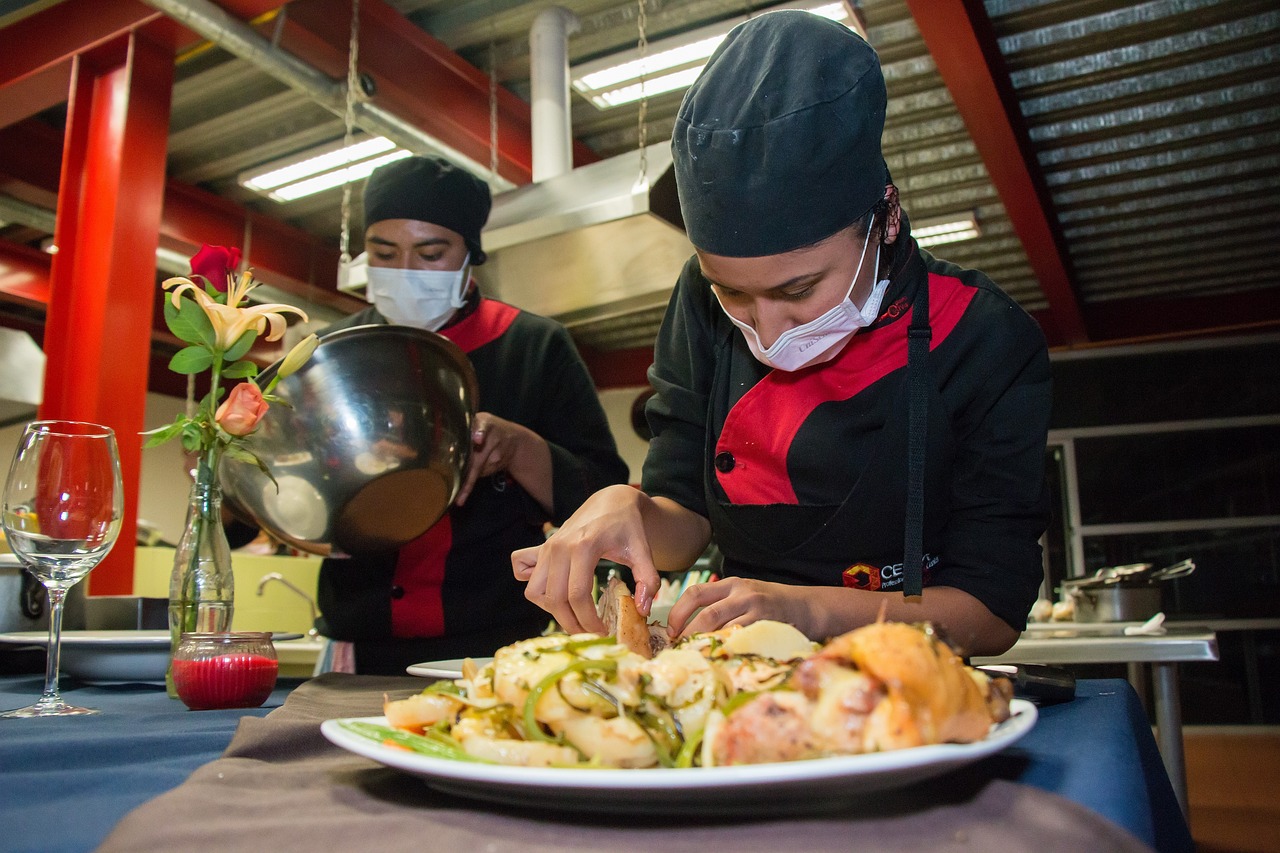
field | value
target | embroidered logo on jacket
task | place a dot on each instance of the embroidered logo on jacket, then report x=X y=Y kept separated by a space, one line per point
x=865 y=576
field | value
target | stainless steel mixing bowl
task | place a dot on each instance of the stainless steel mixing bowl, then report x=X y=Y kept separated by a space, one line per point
x=372 y=447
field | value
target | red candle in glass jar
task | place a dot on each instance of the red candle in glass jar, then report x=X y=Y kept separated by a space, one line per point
x=224 y=670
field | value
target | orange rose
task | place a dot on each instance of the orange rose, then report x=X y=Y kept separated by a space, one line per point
x=240 y=412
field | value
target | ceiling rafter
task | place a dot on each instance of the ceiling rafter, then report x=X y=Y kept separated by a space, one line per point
x=962 y=43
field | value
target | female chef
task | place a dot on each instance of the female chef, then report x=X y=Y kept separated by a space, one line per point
x=843 y=414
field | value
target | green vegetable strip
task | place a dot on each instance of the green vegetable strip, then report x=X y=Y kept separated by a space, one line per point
x=417 y=743
x=738 y=700
x=532 y=730
x=573 y=646
x=647 y=724
x=448 y=688
x=688 y=750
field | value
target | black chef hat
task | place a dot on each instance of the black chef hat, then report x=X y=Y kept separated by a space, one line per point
x=777 y=143
x=433 y=190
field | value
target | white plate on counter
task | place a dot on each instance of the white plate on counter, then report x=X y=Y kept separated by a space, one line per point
x=451 y=668
x=112 y=656
x=743 y=789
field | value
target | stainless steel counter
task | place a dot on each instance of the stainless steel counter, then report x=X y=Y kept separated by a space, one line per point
x=1094 y=643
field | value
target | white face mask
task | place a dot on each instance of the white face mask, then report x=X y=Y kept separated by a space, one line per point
x=820 y=339
x=423 y=298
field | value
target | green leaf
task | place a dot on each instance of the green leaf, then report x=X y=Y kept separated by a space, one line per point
x=159 y=436
x=189 y=322
x=193 y=359
x=240 y=370
x=192 y=438
x=241 y=346
x=241 y=453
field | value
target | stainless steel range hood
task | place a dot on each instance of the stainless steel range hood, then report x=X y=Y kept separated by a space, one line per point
x=21 y=377
x=592 y=245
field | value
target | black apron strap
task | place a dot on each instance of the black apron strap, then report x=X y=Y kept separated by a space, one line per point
x=918 y=337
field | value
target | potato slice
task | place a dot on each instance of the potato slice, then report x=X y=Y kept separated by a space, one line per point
x=770 y=639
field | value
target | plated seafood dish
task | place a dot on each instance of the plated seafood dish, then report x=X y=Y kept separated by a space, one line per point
x=757 y=694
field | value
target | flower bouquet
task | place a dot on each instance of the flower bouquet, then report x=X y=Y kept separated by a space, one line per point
x=218 y=326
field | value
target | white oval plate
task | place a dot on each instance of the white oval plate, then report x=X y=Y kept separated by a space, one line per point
x=785 y=786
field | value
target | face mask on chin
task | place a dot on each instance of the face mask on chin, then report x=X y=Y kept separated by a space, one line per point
x=820 y=339
x=426 y=299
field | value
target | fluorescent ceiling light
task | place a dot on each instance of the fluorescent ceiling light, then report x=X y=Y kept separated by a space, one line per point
x=674 y=63
x=336 y=178
x=945 y=229
x=320 y=169
x=315 y=164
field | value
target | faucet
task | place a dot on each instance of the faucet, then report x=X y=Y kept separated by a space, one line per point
x=312 y=633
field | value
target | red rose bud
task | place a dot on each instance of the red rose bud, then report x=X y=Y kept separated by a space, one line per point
x=215 y=264
x=240 y=412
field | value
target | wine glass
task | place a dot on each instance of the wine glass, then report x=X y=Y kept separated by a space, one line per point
x=61 y=511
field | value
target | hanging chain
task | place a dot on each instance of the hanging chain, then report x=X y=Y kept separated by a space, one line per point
x=349 y=120
x=493 y=96
x=642 y=115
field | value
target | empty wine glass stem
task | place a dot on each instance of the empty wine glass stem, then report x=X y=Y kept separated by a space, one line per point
x=57 y=596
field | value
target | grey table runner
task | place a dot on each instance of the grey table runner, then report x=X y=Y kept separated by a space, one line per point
x=281 y=787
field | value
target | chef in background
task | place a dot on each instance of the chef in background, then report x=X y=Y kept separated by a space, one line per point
x=541 y=445
x=782 y=415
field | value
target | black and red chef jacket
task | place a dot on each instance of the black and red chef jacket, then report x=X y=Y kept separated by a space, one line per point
x=803 y=475
x=451 y=593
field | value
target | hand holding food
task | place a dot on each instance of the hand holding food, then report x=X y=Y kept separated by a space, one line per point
x=741 y=601
x=560 y=572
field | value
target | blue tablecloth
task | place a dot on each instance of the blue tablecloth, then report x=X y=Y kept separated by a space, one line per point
x=65 y=782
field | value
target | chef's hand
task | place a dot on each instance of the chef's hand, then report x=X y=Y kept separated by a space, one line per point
x=609 y=525
x=499 y=445
x=741 y=601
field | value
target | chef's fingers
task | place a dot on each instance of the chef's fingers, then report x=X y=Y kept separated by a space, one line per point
x=523 y=561
x=479 y=431
x=473 y=474
x=692 y=600
x=560 y=581
x=582 y=575
x=718 y=614
x=640 y=560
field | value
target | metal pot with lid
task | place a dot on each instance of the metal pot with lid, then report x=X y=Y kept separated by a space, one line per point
x=1129 y=593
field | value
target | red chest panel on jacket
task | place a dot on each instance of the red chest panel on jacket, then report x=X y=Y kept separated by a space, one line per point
x=761 y=427
x=487 y=323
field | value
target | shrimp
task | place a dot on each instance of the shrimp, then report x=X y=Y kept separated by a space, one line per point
x=418 y=713
x=479 y=737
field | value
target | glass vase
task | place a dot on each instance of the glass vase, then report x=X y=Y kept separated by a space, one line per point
x=202 y=587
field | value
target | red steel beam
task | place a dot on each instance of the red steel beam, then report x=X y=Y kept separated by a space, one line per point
x=24 y=274
x=281 y=255
x=72 y=27
x=419 y=79
x=34 y=93
x=961 y=41
x=1123 y=320
x=61 y=32
x=102 y=281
